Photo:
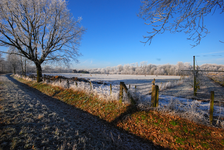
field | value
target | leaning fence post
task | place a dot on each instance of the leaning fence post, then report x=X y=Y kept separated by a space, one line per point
x=121 y=93
x=67 y=83
x=126 y=90
x=110 y=89
x=211 y=107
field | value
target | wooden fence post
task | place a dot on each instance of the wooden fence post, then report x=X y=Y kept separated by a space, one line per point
x=67 y=83
x=129 y=86
x=195 y=88
x=76 y=84
x=135 y=88
x=90 y=83
x=211 y=107
x=153 y=83
x=123 y=86
x=194 y=72
x=110 y=89
x=121 y=93
x=60 y=80
x=155 y=95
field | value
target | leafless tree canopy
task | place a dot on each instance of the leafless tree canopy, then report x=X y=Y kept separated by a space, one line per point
x=179 y=15
x=40 y=30
x=151 y=69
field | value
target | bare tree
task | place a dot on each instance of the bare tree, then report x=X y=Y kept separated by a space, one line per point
x=41 y=30
x=23 y=65
x=177 y=16
x=2 y=62
x=13 y=62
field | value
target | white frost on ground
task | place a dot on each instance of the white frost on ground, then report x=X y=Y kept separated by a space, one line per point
x=114 y=77
x=142 y=82
x=186 y=107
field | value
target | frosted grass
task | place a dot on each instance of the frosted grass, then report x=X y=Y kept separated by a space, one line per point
x=187 y=108
x=193 y=110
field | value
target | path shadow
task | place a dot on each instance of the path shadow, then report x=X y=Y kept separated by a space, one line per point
x=72 y=109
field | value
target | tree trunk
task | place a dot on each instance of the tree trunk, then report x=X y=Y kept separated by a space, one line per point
x=25 y=68
x=21 y=61
x=39 y=72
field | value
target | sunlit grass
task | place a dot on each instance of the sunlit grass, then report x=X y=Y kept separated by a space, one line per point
x=172 y=131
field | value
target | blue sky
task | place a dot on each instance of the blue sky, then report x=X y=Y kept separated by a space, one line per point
x=114 y=33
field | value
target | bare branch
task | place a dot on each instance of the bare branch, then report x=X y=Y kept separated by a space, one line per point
x=190 y=18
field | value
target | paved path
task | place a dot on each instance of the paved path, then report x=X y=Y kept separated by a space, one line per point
x=30 y=119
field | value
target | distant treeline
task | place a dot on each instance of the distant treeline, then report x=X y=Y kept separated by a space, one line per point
x=150 y=69
x=80 y=71
x=19 y=65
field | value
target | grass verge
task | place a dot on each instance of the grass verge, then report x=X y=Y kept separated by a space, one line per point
x=165 y=130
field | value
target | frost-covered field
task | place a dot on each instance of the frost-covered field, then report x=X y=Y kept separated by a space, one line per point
x=142 y=82
x=188 y=108
x=115 y=78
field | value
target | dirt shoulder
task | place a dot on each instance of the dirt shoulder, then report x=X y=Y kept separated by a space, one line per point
x=32 y=120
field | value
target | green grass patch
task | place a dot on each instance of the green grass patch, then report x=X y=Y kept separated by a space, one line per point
x=170 y=130
x=222 y=142
x=180 y=141
x=174 y=123
x=185 y=130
